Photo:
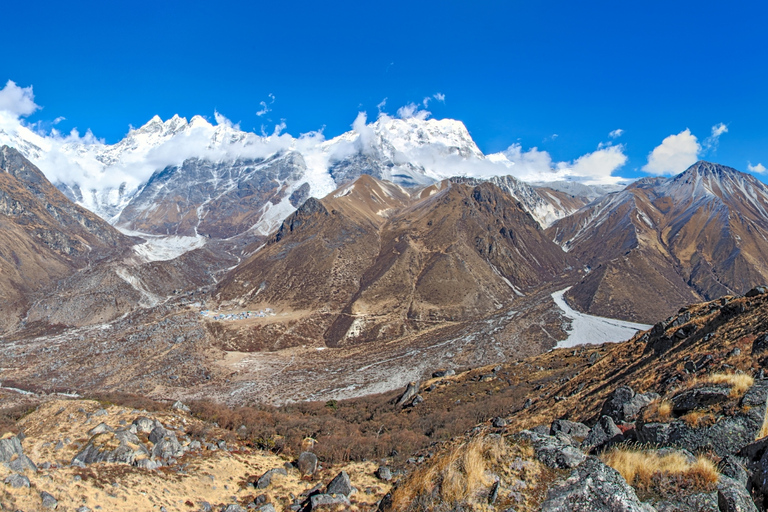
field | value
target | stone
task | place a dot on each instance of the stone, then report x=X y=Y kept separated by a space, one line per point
x=604 y=434
x=699 y=398
x=411 y=390
x=760 y=344
x=383 y=473
x=49 y=501
x=499 y=422
x=307 y=463
x=553 y=451
x=266 y=508
x=144 y=425
x=417 y=400
x=733 y=497
x=234 y=508
x=17 y=481
x=572 y=428
x=266 y=479
x=319 y=501
x=443 y=373
x=12 y=454
x=121 y=447
x=100 y=429
x=614 y=404
x=757 y=290
x=179 y=405
x=593 y=487
x=167 y=446
x=340 y=484
x=733 y=467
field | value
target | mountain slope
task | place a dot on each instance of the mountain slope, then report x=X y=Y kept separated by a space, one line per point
x=663 y=243
x=43 y=236
x=373 y=261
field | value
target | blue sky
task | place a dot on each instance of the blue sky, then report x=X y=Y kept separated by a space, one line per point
x=513 y=72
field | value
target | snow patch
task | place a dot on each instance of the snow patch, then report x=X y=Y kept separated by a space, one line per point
x=593 y=330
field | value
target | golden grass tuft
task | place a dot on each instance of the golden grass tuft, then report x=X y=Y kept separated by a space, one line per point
x=657 y=410
x=640 y=467
x=739 y=382
x=458 y=474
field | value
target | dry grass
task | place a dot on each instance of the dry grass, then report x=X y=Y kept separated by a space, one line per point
x=645 y=469
x=739 y=382
x=460 y=476
x=698 y=418
x=657 y=410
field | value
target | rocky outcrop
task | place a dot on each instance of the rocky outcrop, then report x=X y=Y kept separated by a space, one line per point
x=12 y=455
x=593 y=487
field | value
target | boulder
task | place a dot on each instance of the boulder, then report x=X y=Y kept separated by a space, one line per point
x=411 y=390
x=17 y=481
x=266 y=479
x=760 y=344
x=757 y=290
x=733 y=497
x=734 y=467
x=167 y=446
x=699 y=398
x=307 y=463
x=728 y=435
x=234 y=507
x=144 y=425
x=623 y=404
x=499 y=422
x=443 y=373
x=12 y=455
x=572 y=428
x=266 y=508
x=383 y=473
x=180 y=406
x=555 y=452
x=340 y=484
x=100 y=429
x=48 y=500
x=593 y=487
x=604 y=434
x=320 y=501
x=120 y=447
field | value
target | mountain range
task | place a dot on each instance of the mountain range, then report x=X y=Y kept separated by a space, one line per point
x=276 y=249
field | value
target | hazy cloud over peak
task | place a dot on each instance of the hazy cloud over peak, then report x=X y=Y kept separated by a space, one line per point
x=18 y=101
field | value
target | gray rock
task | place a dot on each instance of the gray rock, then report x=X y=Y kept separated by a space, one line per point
x=157 y=433
x=757 y=290
x=234 y=508
x=443 y=373
x=572 y=428
x=499 y=422
x=144 y=425
x=696 y=502
x=699 y=398
x=593 y=487
x=101 y=412
x=319 y=501
x=411 y=390
x=266 y=479
x=734 y=467
x=100 y=429
x=613 y=406
x=205 y=506
x=49 y=501
x=733 y=497
x=340 y=485
x=604 y=434
x=167 y=447
x=266 y=508
x=83 y=509
x=17 y=481
x=383 y=473
x=13 y=456
x=180 y=406
x=554 y=452
x=728 y=435
x=307 y=463
x=760 y=344
x=542 y=430
x=101 y=448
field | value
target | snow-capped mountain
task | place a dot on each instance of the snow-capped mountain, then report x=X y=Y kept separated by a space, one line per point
x=194 y=178
x=663 y=242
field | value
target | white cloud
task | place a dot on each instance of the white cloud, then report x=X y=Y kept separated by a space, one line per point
x=598 y=167
x=265 y=107
x=711 y=142
x=615 y=134
x=674 y=155
x=758 y=168
x=17 y=101
x=437 y=97
x=381 y=105
x=412 y=110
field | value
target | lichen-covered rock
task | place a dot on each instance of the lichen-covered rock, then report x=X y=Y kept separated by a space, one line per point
x=12 y=455
x=572 y=428
x=121 y=447
x=48 y=500
x=320 y=501
x=266 y=479
x=604 y=434
x=733 y=497
x=699 y=398
x=593 y=487
x=17 y=481
x=341 y=484
x=307 y=463
x=556 y=452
